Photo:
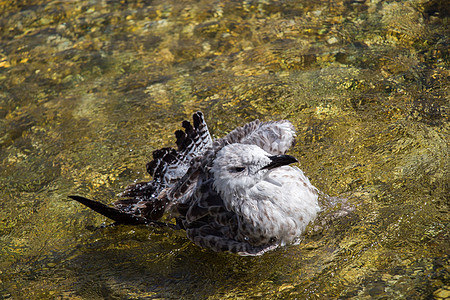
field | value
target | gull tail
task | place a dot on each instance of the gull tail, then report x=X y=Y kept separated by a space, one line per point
x=113 y=213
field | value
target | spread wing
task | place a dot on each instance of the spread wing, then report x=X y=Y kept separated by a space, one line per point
x=167 y=168
x=169 y=165
x=146 y=202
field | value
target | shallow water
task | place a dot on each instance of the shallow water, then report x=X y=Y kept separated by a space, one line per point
x=88 y=89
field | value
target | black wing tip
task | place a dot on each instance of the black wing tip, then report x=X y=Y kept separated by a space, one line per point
x=198 y=119
x=88 y=202
x=118 y=216
x=187 y=126
x=79 y=199
x=110 y=212
x=198 y=114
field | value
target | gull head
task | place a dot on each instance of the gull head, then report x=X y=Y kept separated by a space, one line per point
x=238 y=167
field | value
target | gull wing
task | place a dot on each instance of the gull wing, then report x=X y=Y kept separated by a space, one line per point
x=169 y=165
x=117 y=215
x=146 y=202
x=274 y=137
x=168 y=168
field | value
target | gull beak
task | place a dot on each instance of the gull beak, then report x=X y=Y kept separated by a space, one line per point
x=279 y=160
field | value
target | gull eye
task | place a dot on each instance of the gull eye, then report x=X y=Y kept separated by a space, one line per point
x=238 y=169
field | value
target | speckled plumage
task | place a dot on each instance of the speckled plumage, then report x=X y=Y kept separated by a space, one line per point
x=234 y=194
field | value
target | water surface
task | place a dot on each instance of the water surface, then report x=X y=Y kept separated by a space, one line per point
x=88 y=89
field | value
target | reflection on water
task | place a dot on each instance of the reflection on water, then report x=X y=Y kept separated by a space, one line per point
x=88 y=89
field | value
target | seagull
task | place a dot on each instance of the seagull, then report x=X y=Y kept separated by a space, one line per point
x=235 y=194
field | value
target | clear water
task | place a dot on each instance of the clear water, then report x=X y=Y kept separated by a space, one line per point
x=88 y=89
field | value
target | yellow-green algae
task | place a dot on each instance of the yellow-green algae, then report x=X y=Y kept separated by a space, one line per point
x=88 y=89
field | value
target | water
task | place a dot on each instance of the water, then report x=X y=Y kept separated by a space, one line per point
x=88 y=89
